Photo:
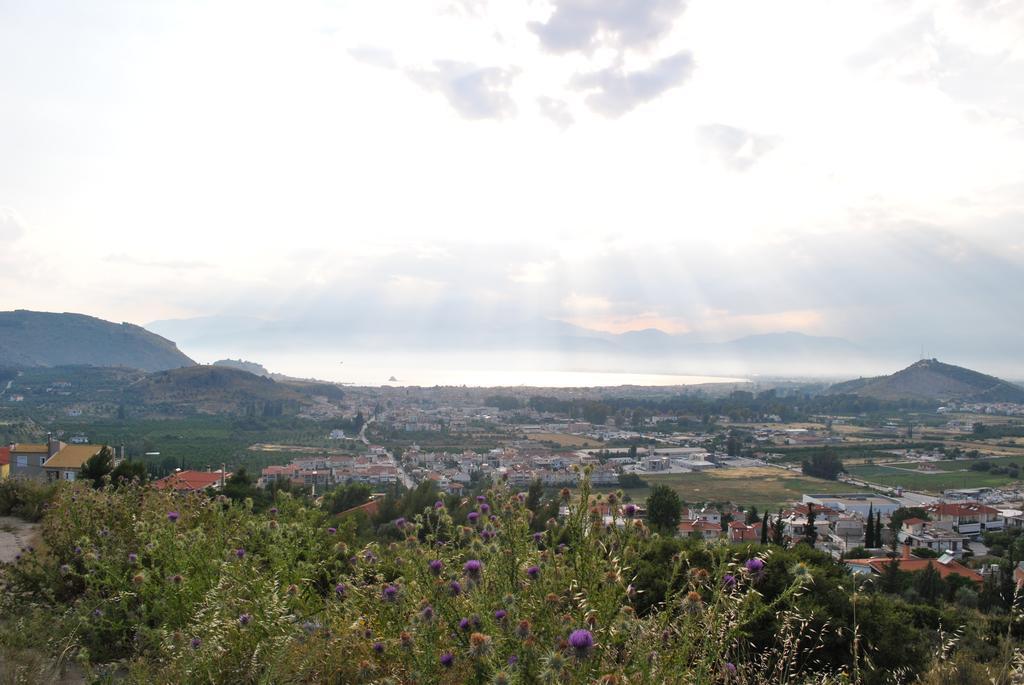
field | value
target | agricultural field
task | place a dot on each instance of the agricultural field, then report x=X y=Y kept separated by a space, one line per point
x=565 y=440
x=762 y=486
x=948 y=475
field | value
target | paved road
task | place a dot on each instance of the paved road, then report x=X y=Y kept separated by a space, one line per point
x=362 y=431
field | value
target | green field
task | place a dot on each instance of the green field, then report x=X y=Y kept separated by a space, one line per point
x=764 y=487
x=951 y=474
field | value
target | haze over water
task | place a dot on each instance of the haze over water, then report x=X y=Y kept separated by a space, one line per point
x=479 y=371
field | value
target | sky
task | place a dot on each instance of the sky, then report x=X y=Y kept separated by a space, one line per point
x=715 y=168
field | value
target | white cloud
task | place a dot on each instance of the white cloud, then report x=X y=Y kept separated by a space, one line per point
x=582 y=25
x=734 y=147
x=614 y=91
x=474 y=92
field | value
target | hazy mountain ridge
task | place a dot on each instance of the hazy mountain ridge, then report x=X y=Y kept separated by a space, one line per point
x=647 y=350
x=930 y=379
x=30 y=338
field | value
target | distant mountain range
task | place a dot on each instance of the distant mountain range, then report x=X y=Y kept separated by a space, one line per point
x=649 y=350
x=48 y=339
x=931 y=380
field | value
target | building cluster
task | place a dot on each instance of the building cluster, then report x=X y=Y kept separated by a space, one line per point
x=376 y=467
x=520 y=467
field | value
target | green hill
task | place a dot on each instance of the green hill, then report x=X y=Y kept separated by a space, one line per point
x=212 y=390
x=30 y=339
x=931 y=380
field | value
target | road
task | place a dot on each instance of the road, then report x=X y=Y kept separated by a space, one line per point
x=362 y=431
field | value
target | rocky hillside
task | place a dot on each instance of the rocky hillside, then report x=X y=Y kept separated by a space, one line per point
x=931 y=380
x=30 y=339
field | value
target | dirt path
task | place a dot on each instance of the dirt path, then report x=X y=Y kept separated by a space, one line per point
x=15 y=535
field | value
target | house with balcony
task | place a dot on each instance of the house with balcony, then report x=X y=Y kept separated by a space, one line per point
x=936 y=537
x=970 y=519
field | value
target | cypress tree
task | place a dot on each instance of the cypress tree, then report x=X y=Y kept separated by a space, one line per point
x=764 y=529
x=778 y=530
x=810 y=531
x=869 y=529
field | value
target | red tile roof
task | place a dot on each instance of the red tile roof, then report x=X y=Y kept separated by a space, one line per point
x=189 y=481
x=5 y=456
x=369 y=508
x=914 y=565
x=946 y=509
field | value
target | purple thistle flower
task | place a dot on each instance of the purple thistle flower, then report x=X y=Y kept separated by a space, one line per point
x=729 y=580
x=473 y=568
x=427 y=613
x=78 y=550
x=464 y=624
x=484 y=508
x=582 y=641
x=340 y=589
x=245 y=619
x=390 y=593
x=486 y=534
x=378 y=647
x=400 y=522
x=435 y=566
x=172 y=516
x=456 y=587
x=132 y=558
x=195 y=643
x=472 y=517
x=447 y=659
x=755 y=565
x=439 y=504
x=513 y=660
x=332 y=530
x=481 y=499
x=273 y=511
x=96 y=613
x=537 y=537
x=629 y=510
x=500 y=615
x=239 y=552
x=533 y=572
x=730 y=668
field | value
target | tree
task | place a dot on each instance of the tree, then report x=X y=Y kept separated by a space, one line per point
x=126 y=471
x=779 y=531
x=869 y=529
x=823 y=465
x=534 y=495
x=810 y=530
x=347 y=496
x=725 y=520
x=929 y=585
x=892 y=577
x=764 y=529
x=752 y=516
x=878 y=529
x=97 y=466
x=663 y=508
